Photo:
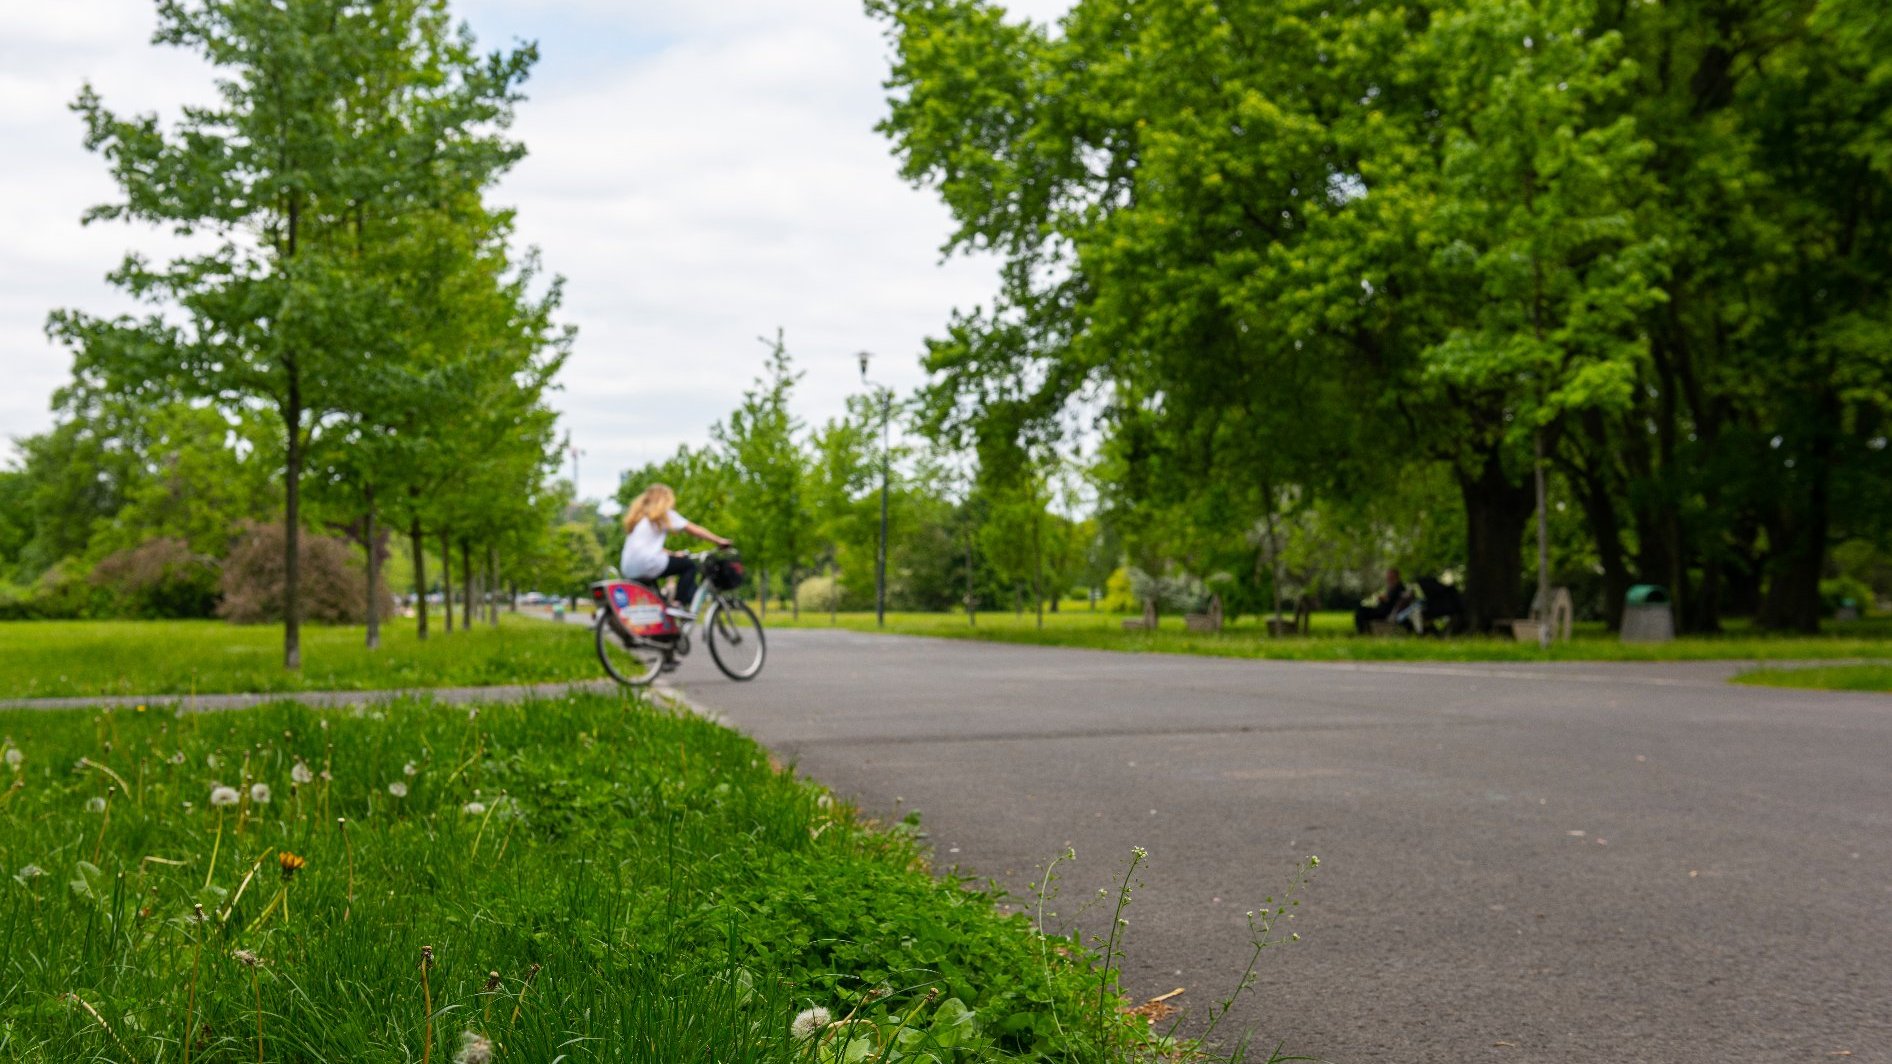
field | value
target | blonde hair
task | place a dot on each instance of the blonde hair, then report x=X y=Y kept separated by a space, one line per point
x=655 y=504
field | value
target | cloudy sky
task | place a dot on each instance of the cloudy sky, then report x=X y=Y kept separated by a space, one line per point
x=700 y=172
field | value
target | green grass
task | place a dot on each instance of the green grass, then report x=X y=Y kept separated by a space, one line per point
x=1333 y=639
x=643 y=885
x=1825 y=678
x=64 y=658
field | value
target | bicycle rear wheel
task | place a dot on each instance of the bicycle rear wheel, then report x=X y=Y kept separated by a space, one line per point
x=734 y=635
x=635 y=663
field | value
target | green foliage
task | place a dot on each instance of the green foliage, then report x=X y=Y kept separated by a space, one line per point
x=1288 y=255
x=635 y=877
x=355 y=280
x=160 y=577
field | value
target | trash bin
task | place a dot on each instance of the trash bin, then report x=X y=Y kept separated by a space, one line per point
x=1648 y=615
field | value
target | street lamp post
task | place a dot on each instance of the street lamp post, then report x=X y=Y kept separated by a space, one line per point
x=880 y=560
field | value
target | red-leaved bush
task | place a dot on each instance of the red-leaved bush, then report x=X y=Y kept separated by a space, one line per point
x=334 y=581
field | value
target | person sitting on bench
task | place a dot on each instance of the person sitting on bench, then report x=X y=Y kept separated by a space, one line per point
x=1380 y=607
x=1430 y=606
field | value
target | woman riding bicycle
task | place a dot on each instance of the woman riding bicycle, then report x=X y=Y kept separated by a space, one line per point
x=647 y=521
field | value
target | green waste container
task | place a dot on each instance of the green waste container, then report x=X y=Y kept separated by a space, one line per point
x=1648 y=615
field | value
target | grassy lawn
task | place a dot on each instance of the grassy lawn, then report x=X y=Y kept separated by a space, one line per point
x=1824 y=677
x=596 y=880
x=1333 y=639
x=52 y=658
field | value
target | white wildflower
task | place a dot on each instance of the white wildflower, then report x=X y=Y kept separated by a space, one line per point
x=259 y=793
x=177 y=758
x=824 y=802
x=474 y=1049
x=29 y=872
x=301 y=774
x=221 y=796
x=398 y=789
x=95 y=805
x=809 y=1023
x=474 y=809
x=14 y=757
x=410 y=770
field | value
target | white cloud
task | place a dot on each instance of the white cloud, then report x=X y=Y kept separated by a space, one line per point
x=700 y=173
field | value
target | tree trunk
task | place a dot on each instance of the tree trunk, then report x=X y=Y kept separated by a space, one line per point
x=1798 y=540
x=1037 y=567
x=446 y=578
x=1496 y=512
x=972 y=618
x=794 y=596
x=466 y=582
x=374 y=573
x=512 y=596
x=418 y=544
x=762 y=575
x=492 y=585
x=292 y=529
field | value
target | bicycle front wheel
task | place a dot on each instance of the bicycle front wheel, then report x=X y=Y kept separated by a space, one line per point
x=734 y=635
x=635 y=663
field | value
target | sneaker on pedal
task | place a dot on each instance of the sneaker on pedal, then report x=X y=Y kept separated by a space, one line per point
x=670 y=665
x=680 y=613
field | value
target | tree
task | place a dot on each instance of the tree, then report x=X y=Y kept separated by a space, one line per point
x=333 y=120
x=762 y=441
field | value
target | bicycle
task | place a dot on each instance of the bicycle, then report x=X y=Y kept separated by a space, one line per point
x=638 y=638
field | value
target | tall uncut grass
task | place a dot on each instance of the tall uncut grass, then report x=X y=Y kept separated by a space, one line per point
x=41 y=659
x=588 y=878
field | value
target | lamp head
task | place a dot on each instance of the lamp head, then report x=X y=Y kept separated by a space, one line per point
x=864 y=357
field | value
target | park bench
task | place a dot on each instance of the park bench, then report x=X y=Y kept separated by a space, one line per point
x=1206 y=622
x=1560 y=618
x=1147 y=623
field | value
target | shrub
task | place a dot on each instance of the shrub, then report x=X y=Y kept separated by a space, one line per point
x=334 y=582
x=1845 y=590
x=159 y=578
x=819 y=594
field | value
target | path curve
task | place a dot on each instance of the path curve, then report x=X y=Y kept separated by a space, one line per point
x=1626 y=862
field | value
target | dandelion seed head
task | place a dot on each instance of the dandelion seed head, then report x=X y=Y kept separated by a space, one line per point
x=809 y=1023
x=398 y=789
x=474 y=809
x=95 y=805
x=259 y=793
x=221 y=796
x=177 y=758
x=301 y=774
x=474 y=1049
x=213 y=761
x=14 y=757
x=247 y=959
x=410 y=770
x=29 y=872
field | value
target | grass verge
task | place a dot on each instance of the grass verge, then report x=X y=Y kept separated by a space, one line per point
x=42 y=659
x=1333 y=640
x=1824 y=677
x=587 y=878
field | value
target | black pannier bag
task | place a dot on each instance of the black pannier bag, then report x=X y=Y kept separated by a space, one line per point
x=724 y=572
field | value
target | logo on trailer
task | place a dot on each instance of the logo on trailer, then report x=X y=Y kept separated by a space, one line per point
x=620 y=597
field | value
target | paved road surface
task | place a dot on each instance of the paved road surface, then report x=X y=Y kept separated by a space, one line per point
x=1519 y=863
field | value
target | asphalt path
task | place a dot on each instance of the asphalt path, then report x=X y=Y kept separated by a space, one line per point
x=1555 y=863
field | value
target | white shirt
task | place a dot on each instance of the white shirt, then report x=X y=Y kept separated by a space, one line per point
x=644 y=556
